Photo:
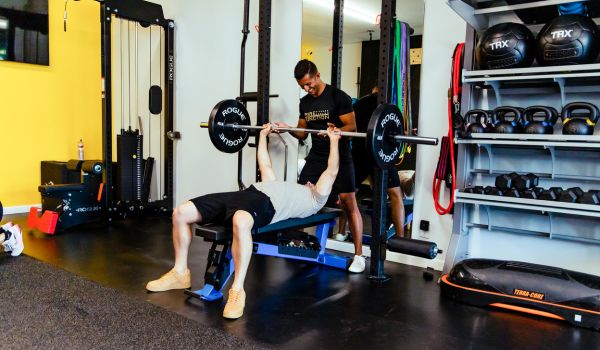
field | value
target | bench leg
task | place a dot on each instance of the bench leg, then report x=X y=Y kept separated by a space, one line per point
x=219 y=269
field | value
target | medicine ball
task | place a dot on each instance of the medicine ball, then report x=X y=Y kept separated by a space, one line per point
x=505 y=45
x=569 y=39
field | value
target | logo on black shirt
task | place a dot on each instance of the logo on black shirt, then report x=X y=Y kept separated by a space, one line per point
x=322 y=114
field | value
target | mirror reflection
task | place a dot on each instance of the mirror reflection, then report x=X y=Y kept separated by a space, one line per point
x=360 y=55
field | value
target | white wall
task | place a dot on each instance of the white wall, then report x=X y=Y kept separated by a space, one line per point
x=207 y=53
x=351 y=54
x=438 y=45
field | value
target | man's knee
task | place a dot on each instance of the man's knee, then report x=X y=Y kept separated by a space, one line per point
x=186 y=213
x=348 y=202
x=242 y=221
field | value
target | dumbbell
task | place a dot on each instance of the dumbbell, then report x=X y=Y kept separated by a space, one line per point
x=590 y=197
x=571 y=195
x=525 y=182
x=475 y=190
x=532 y=193
x=506 y=181
x=551 y=194
x=493 y=191
x=512 y=192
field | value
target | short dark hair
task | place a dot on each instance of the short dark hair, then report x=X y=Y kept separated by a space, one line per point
x=304 y=67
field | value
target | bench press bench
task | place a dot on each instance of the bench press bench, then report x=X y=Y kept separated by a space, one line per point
x=219 y=268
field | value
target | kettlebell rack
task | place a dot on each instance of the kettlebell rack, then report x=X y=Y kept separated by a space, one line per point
x=524 y=229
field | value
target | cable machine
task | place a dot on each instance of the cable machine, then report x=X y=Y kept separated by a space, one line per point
x=137 y=58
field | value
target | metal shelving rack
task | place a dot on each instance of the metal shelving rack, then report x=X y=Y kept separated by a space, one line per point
x=484 y=222
x=478 y=13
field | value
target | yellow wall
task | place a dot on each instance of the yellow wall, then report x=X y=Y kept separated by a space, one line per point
x=45 y=110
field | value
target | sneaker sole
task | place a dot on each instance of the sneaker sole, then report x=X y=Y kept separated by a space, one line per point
x=233 y=316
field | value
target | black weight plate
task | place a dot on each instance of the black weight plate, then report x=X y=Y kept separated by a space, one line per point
x=228 y=112
x=385 y=122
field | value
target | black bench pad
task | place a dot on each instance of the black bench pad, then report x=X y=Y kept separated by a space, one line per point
x=216 y=232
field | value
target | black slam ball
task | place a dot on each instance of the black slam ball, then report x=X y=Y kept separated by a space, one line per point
x=505 y=45
x=569 y=39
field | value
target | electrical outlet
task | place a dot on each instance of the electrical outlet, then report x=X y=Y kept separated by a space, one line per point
x=416 y=56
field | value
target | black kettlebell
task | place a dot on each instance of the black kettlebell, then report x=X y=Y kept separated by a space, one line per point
x=503 y=124
x=477 y=121
x=579 y=123
x=539 y=120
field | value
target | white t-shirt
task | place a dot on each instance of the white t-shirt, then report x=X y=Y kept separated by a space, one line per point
x=291 y=200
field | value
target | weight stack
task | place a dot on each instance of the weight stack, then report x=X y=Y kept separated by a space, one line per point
x=523 y=287
x=129 y=184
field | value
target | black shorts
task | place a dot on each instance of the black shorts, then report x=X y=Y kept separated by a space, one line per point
x=344 y=182
x=220 y=207
x=364 y=169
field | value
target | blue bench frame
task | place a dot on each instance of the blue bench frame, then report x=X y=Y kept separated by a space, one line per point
x=220 y=263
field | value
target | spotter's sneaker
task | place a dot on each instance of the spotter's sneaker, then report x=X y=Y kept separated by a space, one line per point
x=341 y=236
x=235 y=304
x=170 y=280
x=358 y=264
x=15 y=243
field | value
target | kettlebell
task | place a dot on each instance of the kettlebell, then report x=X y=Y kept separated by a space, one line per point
x=539 y=120
x=502 y=122
x=580 y=123
x=477 y=121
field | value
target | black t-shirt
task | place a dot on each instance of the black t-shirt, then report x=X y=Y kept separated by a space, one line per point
x=363 y=109
x=326 y=108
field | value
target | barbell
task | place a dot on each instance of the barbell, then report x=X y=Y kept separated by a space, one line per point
x=229 y=125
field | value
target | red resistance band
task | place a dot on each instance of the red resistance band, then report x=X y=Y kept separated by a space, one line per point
x=448 y=141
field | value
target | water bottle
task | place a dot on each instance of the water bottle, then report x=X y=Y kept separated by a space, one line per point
x=80 y=149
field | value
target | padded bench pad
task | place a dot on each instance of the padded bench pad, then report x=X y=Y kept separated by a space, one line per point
x=217 y=232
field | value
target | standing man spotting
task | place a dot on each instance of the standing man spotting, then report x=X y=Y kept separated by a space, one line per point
x=326 y=105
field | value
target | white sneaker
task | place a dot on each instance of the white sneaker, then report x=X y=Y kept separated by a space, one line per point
x=341 y=236
x=15 y=243
x=358 y=264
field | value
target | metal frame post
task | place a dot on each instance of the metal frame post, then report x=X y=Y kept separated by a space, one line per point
x=337 y=44
x=264 y=68
x=386 y=60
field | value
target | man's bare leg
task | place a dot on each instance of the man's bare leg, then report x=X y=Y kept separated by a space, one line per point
x=179 y=277
x=241 y=250
x=183 y=217
x=397 y=209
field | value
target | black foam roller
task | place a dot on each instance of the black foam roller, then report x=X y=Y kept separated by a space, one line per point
x=414 y=247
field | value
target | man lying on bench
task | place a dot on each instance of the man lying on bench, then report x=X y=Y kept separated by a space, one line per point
x=263 y=203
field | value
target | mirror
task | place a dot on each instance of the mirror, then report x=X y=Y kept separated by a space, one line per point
x=24 y=31
x=360 y=52
x=360 y=55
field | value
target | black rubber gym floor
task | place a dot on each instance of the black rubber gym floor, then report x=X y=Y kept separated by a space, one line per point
x=293 y=305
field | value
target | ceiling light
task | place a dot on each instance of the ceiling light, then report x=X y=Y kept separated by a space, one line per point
x=349 y=10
